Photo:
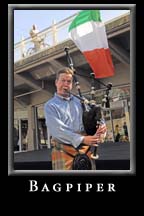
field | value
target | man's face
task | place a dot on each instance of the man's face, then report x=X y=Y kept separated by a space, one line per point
x=63 y=84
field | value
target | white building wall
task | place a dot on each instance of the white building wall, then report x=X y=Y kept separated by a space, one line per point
x=122 y=75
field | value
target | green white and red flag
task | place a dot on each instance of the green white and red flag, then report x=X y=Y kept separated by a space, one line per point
x=89 y=34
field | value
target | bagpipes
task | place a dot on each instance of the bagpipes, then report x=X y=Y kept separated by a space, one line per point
x=92 y=115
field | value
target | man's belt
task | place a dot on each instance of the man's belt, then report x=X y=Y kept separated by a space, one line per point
x=69 y=149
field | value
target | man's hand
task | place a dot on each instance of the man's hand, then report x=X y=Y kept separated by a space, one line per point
x=101 y=132
x=99 y=137
x=91 y=140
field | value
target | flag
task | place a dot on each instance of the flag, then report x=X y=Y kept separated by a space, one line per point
x=88 y=33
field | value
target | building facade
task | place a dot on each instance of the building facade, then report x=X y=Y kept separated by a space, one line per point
x=34 y=76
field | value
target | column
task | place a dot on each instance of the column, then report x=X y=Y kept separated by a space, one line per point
x=54 y=33
x=31 y=129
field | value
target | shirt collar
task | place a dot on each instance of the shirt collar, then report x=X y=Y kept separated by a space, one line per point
x=64 y=98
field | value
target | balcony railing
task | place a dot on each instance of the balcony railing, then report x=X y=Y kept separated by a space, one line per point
x=50 y=36
x=55 y=34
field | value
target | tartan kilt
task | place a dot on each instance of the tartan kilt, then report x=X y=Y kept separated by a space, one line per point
x=61 y=160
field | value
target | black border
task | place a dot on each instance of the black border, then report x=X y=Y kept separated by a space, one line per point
x=63 y=178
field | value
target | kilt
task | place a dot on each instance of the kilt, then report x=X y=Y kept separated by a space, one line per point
x=63 y=155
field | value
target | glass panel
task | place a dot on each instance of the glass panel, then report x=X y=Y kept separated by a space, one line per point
x=42 y=133
x=42 y=129
x=24 y=130
x=16 y=135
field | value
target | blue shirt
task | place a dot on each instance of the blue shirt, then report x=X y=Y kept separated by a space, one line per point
x=64 y=119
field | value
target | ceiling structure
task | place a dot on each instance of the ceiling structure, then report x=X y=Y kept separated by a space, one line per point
x=36 y=73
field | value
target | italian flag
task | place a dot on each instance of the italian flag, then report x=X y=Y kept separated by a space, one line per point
x=88 y=33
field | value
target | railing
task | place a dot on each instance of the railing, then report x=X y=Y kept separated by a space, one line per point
x=54 y=35
x=50 y=36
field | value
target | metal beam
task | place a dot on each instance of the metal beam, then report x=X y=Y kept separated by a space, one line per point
x=36 y=84
x=27 y=93
x=22 y=102
x=119 y=52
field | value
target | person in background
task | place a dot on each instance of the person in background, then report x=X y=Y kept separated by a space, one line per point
x=35 y=38
x=24 y=141
x=117 y=133
x=125 y=131
x=63 y=115
x=16 y=138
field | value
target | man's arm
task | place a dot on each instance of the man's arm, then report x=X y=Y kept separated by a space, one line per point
x=59 y=130
x=63 y=133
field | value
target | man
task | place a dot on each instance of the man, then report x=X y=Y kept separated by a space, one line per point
x=125 y=131
x=63 y=115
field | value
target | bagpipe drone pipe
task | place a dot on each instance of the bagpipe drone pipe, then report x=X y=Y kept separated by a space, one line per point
x=92 y=115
